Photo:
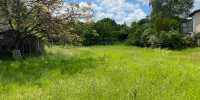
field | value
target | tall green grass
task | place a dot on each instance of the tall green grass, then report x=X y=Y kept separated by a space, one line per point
x=103 y=72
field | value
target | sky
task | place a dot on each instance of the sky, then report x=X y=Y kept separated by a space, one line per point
x=123 y=10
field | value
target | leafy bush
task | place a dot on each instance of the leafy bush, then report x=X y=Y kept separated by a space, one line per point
x=172 y=39
x=90 y=37
x=197 y=37
x=153 y=41
x=192 y=41
x=189 y=41
x=134 y=34
x=136 y=37
x=124 y=32
x=145 y=37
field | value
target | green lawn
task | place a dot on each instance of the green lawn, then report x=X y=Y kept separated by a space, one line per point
x=103 y=72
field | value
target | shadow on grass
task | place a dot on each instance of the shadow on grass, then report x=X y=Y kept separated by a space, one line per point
x=34 y=68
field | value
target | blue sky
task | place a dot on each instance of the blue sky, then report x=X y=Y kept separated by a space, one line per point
x=122 y=10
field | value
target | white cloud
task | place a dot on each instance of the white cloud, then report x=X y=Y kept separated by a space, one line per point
x=117 y=5
x=93 y=6
x=119 y=10
x=135 y=16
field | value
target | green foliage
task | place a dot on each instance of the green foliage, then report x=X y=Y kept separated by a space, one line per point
x=166 y=24
x=135 y=26
x=136 y=37
x=189 y=41
x=171 y=8
x=153 y=40
x=171 y=39
x=124 y=32
x=145 y=23
x=146 y=36
x=197 y=35
x=158 y=24
x=106 y=29
x=133 y=39
x=90 y=36
x=192 y=41
x=44 y=18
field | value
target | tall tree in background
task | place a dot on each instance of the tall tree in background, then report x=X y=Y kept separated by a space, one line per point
x=106 y=28
x=171 y=8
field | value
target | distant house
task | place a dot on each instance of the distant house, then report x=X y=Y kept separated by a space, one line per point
x=193 y=25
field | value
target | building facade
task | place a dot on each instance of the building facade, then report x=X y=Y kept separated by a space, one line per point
x=193 y=25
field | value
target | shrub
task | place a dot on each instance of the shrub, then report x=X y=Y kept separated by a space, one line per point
x=153 y=41
x=90 y=37
x=197 y=37
x=136 y=37
x=172 y=39
x=145 y=37
x=189 y=41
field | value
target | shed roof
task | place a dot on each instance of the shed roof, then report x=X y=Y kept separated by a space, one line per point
x=194 y=12
x=186 y=21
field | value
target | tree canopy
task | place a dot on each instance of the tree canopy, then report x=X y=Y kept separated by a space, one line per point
x=42 y=18
x=171 y=8
x=106 y=29
x=166 y=24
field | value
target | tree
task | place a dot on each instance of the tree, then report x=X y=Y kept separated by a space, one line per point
x=166 y=24
x=146 y=35
x=145 y=23
x=90 y=35
x=134 y=26
x=43 y=18
x=144 y=20
x=124 y=32
x=106 y=29
x=136 y=37
x=171 y=8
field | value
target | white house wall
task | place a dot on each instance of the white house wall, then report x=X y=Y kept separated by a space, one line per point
x=197 y=22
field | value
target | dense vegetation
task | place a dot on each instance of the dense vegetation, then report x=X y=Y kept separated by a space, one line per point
x=161 y=29
x=163 y=33
x=103 y=72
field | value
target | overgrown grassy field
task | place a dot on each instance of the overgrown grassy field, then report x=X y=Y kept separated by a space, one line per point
x=103 y=72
